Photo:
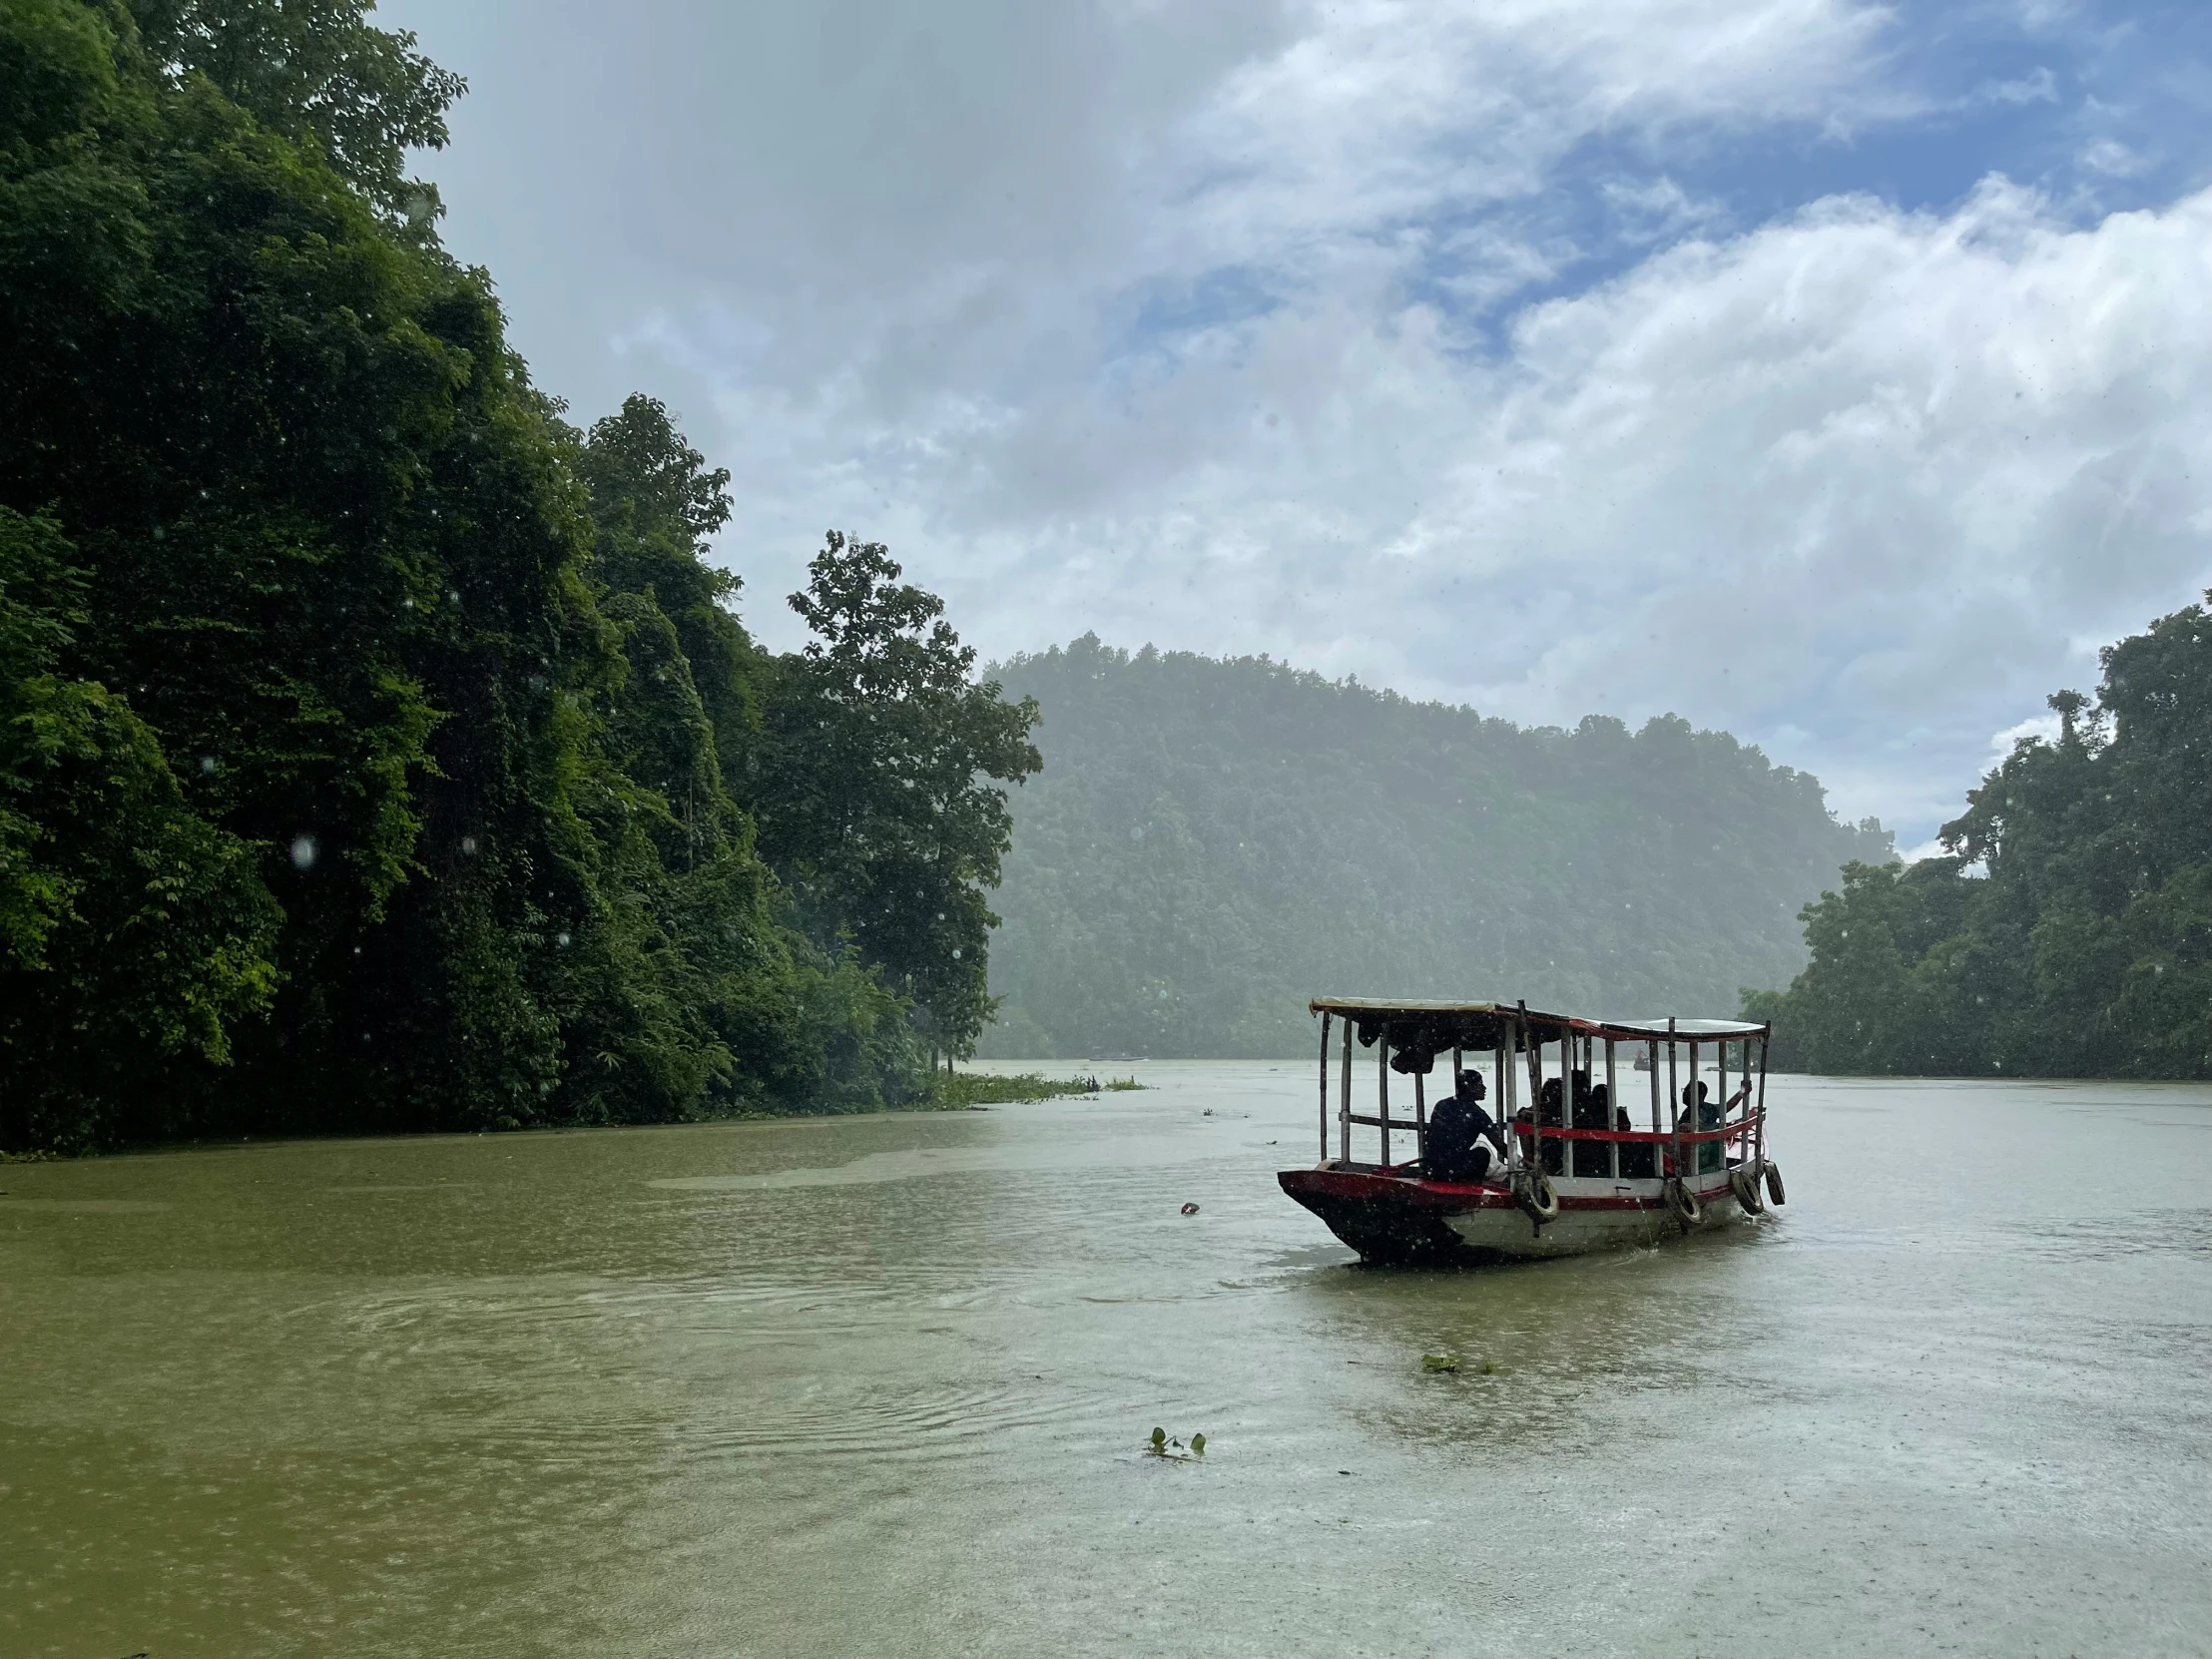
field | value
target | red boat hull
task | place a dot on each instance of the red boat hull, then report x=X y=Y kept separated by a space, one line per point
x=1397 y=1219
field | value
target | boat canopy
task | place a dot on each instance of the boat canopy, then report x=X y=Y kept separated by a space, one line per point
x=1485 y=1026
x=1685 y=1027
x=1565 y=1102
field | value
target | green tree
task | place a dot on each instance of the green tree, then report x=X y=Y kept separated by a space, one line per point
x=653 y=504
x=2066 y=935
x=877 y=786
x=134 y=935
x=317 y=71
x=347 y=780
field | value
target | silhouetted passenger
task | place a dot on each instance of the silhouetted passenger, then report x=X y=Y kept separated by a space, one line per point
x=1458 y=1127
x=1639 y=1160
x=1549 y=1115
x=1704 y=1113
x=1592 y=1158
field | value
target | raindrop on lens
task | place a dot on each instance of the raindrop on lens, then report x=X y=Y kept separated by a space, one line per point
x=304 y=852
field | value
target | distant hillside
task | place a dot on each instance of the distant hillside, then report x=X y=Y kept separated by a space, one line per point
x=1213 y=843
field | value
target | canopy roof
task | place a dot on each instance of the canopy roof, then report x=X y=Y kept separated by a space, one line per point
x=1686 y=1027
x=1483 y=1024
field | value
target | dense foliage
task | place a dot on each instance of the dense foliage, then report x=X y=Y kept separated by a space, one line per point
x=876 y=783
x=2068 y=932
x=1212 y=843
x=377 y=750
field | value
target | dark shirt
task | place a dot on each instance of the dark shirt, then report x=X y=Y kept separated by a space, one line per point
x=1590 y=1105
x=1456 y=1149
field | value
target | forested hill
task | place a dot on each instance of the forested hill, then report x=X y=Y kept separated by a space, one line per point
x=1213 y=843
x=378 y=750
x=2068 y=930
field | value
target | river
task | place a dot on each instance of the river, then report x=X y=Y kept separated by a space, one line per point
x=880 y=1385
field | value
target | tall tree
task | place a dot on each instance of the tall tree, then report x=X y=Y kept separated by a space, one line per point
x=2069 y=931
x=654 y=506
x=317 y=70
x=134 y=935
x=879 y=787
x=331 y=758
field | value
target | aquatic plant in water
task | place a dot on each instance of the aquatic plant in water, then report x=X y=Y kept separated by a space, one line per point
x=1162 y=1445
x=1451 y=1362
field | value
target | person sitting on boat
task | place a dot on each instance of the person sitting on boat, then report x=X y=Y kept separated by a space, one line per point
x=1591 y=1111
x=1458 y=1127
x=1639 y=1159
x=1709 y=1115
x=1549 y=1115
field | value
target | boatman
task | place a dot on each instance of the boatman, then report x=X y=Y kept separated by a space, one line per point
x=1458 y=1127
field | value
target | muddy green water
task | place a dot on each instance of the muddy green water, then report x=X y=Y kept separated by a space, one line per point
x=878 y=1387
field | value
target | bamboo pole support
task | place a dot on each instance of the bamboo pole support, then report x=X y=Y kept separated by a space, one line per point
x=1674 y=1098
x=1325 y=1019
x=1344 y=1109
x=1612 y=1163
x=1382 y=1092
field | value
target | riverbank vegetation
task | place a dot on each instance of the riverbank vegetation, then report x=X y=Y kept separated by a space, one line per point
x=1213 y=843
x=379 y=751
x=988 y=1088
x=2068 y=929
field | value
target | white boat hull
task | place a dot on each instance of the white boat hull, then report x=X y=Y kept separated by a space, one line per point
x=1508 y=1233
x=1388 y=1217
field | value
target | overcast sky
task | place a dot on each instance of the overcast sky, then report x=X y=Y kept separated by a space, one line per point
x=1836 y=373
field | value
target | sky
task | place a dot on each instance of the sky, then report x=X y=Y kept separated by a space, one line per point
x=1835 y=373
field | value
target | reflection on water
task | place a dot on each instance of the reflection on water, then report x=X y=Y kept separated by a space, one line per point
x=880 y=1385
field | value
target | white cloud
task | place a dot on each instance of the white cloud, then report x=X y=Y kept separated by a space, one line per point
x=2038 y=87
x=2041 y=727
x=1862 y=485
x=2114 y=160
x=1383 y=113
x=1177 y=322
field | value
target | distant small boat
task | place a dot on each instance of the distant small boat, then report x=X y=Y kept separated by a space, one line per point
x=1561 y=1187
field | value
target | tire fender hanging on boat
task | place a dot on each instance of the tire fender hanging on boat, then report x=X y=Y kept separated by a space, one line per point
x=1537 y=1197
x=1683 y=1202
x=1743 y=1181
x=1773 y=1184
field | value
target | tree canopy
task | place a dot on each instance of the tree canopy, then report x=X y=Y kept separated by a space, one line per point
x=878 y=799
x=1213 y=843
x=376 y=749
x=2068 y=929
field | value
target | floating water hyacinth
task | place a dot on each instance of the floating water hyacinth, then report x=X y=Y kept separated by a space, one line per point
x=1162 y=1444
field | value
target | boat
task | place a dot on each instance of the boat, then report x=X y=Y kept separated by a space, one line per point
x=1569 y=1176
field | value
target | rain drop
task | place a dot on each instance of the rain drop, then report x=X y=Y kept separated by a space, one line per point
x=304 y=850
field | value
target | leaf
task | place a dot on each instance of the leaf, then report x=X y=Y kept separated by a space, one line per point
x=1197 y=1445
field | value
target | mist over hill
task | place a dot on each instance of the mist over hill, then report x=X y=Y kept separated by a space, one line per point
x=1211 y=843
